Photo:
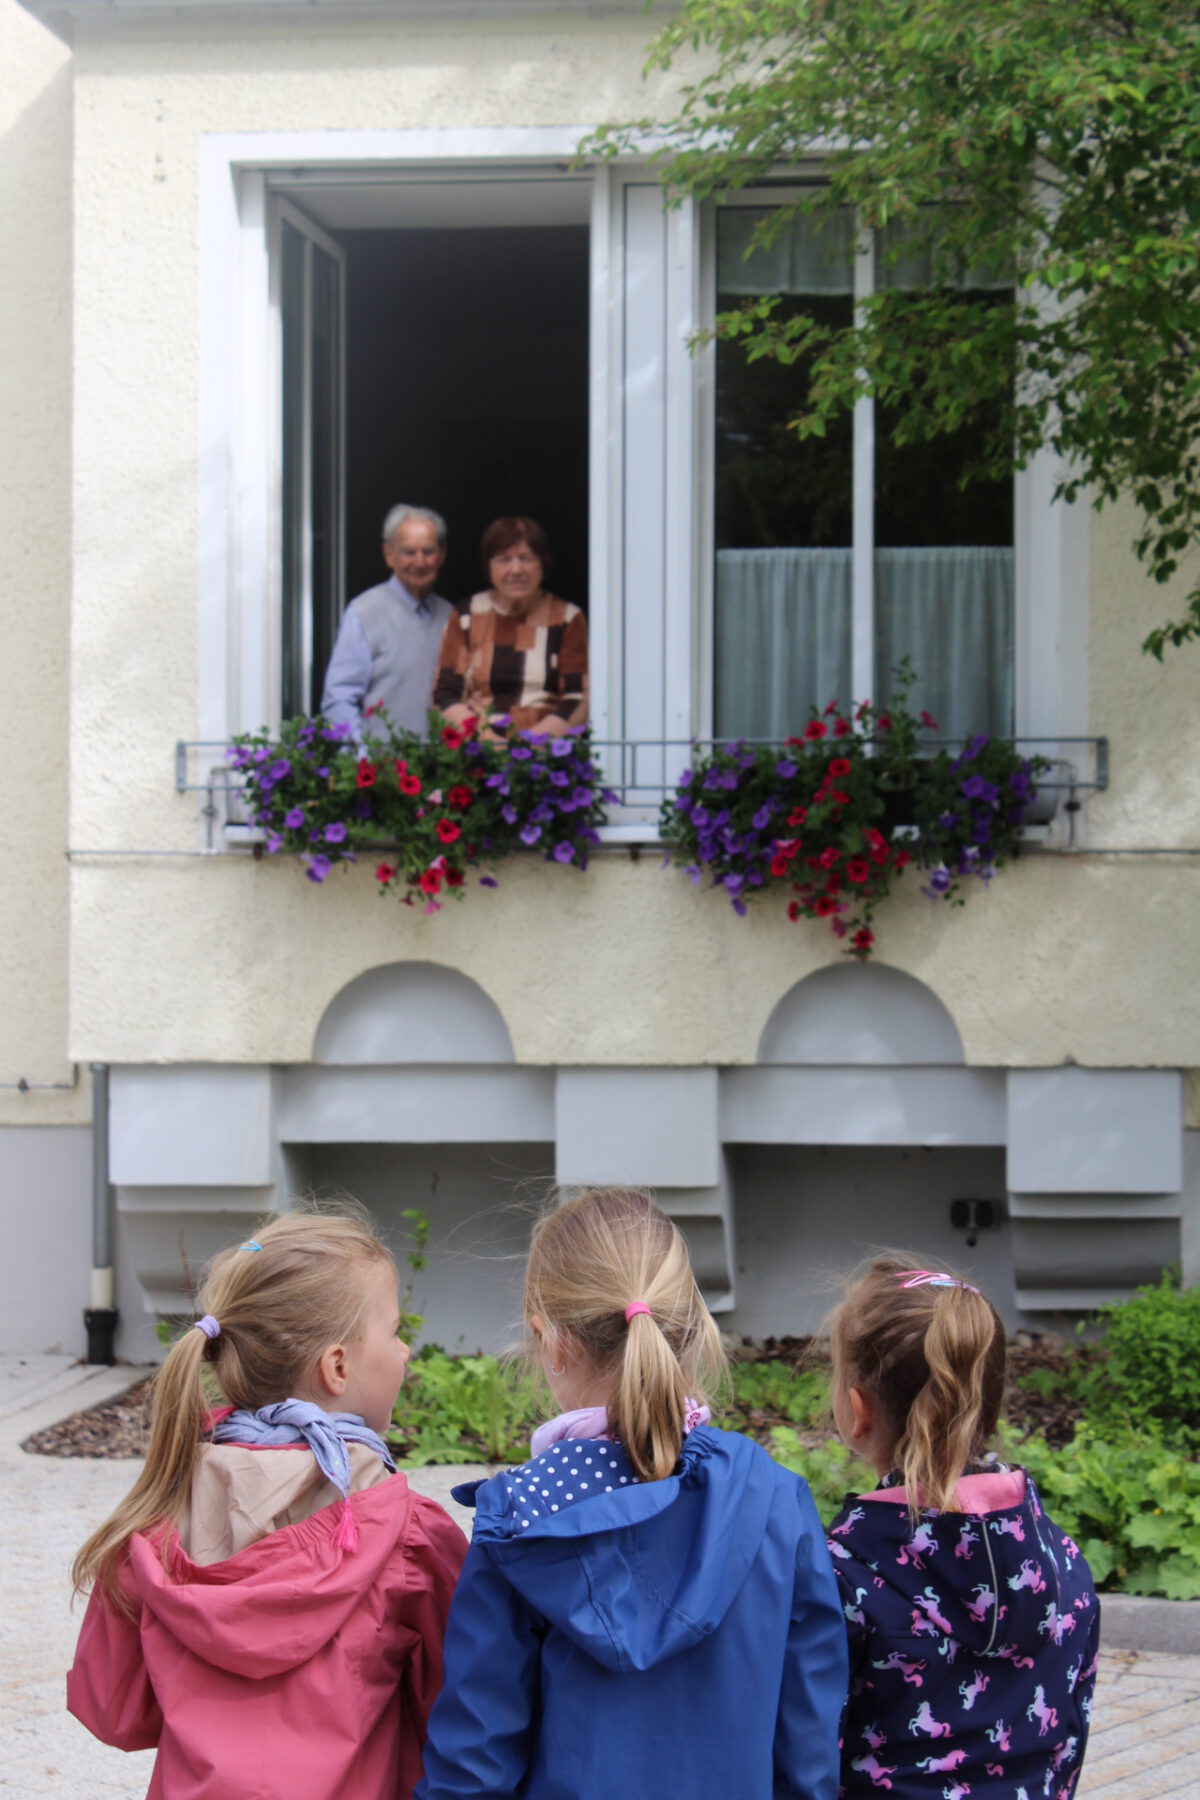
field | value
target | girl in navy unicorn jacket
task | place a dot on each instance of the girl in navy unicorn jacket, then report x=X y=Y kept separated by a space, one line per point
x=647 y=1606
x=973 y=1621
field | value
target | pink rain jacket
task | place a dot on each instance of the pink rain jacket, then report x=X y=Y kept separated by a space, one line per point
x=264 y=1660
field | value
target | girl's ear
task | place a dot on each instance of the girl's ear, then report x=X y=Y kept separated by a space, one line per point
x=333 y=1370
x=862 y=1415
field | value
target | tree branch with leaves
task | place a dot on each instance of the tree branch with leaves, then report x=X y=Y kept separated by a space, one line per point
x=1058 y=139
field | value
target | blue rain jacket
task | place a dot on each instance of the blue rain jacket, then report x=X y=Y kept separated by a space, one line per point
x=635 y=1639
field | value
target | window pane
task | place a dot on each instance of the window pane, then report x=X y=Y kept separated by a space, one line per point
x=943 y=564
x=783 y=508
x=291 y=285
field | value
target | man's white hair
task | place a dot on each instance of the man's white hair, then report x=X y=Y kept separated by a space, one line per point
x=398 y=514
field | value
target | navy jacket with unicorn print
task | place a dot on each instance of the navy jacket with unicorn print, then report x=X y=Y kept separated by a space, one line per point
x=973 y=1640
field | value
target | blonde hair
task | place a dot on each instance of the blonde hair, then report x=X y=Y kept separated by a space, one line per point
x=590 y=1258
x=931 y=1360
x=279 y=1307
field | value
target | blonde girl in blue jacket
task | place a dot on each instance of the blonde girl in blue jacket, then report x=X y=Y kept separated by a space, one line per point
x=647 y=1604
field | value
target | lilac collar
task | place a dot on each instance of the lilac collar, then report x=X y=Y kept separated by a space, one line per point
x=592 y=1422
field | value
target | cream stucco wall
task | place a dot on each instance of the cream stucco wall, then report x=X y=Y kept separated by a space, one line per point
x=1087 y=956
x=35 y=498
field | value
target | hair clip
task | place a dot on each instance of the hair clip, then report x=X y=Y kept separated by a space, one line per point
x=915 y=1278
x=249 y=1245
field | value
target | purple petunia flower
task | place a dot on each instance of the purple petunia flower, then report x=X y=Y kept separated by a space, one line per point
x=488 y=881
x=762 y=817
x=509 y=814
x=693 y=872
x=939 y=881
x=323 y=773
x=699 y=815
x=295 y=819
x=735 y=883
x=541 y=814
x=714 y=779
x=336 y=734
x=261 y=755
x=361 y=807
x=318 y=867
x=785 y=769
x=520 y=753
x=501 y=722
x=335 y=833
x=947 y=820
x=274 y=843
x=529 y=834
x=686 y=779
x=280 y=769
x=739 y=907
x=976 y=788
x=559 y=778
x=564 y=853
x=609 y=798
x=561 y=747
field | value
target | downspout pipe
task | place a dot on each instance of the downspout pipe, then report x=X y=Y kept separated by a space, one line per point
x=100 y=1318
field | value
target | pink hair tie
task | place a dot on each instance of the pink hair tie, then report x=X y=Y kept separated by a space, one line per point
x=916 y=1278
x=634 y=1308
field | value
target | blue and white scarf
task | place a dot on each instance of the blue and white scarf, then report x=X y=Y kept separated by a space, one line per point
x=300 y=1422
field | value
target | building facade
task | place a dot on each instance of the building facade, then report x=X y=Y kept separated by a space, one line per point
x=278 y=267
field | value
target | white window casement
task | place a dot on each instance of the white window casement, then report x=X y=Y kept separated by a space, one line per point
x=728 y=586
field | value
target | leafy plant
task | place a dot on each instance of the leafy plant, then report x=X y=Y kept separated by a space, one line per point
x=1152 y=1343
x=455 y=1409
x=1131 y=1501
x=437 y=807
x=1055 y=141
x=416 y=1259
x=817 y=818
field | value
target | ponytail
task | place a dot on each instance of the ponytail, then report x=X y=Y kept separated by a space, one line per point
x=270 y=1307
x=611 y=1271
x=930 y=1356
x=178 y=1412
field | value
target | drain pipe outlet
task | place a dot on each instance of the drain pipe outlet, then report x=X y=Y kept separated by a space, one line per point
x=101 y=1316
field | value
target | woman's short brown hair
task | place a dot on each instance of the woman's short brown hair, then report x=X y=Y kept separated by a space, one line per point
x=503 y=534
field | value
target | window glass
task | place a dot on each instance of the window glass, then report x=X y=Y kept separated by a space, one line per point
x=291 y=300
x=934 y=577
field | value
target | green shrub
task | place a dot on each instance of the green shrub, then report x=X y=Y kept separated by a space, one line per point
x=455 y=1409
x=1152 y=1370
x=1131 y=1501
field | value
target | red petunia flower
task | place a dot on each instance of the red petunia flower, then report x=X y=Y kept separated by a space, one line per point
x=840 y=765
x=798 y=815
x=863 y=938
x=452 y=737
x=430 y=882
x=829 y=857
x=858 y=869
x=824 y=904
x=410 y=784
x=883 y=722
x=454 y=877
x=401 y=767
x=815 y=728
x=384 y=872
x=370 y=711
x=929 y=723
x=838 y=798
x=447 y=830
x=794 y=910
x=367 y=774
x=780 y=865
x=470 y=725
x=459 y=797
x=900 y=859
x=831 y=708
x=843 y=728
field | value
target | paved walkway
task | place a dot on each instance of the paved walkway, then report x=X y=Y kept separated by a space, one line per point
x=1145 y=1735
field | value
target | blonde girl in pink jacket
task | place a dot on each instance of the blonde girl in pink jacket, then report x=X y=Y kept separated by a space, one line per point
x=268 y=1602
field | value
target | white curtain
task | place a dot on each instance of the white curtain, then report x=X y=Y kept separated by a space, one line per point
x=783 y=636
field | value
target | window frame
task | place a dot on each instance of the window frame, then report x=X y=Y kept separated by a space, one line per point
x=237 y=506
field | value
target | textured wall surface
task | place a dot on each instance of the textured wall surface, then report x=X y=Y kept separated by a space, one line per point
x=35 y=406
x=1082 y=956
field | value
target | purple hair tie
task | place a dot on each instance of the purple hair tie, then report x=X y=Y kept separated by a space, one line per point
x=208 y=1325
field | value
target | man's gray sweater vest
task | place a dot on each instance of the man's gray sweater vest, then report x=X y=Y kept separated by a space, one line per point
x=404 y=655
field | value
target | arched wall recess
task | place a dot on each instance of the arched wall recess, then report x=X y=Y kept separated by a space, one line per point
x=412 y=1012
x=860 y=1014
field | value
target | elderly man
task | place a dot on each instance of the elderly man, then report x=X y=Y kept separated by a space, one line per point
x=387 y=645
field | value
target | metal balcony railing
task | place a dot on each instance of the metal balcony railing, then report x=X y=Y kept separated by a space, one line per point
x=642 y=772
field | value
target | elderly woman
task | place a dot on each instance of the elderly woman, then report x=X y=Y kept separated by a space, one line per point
x=516 y=651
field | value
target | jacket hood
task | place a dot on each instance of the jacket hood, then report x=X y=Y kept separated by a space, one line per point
x=278 y=1601
x=989 y=1577
x=631 y=1572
